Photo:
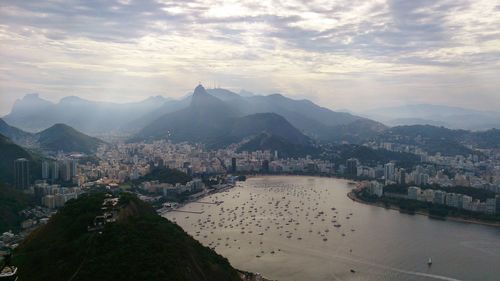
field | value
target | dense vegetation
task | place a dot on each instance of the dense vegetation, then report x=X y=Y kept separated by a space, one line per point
x=140 y=246
x=166 y=175
x=285 y=148
x=369 y=156
x=12 y=201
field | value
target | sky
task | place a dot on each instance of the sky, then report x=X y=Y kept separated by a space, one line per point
x=355 y=54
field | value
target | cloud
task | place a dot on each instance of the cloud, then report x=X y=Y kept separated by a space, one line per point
x=337 y=53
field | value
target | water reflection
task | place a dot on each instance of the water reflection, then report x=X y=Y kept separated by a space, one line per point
x=305 y=228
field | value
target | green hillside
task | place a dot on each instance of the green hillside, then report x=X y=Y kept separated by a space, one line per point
x=166 y=175
x=12 y=201
x=140 y=245
x=63 y=137
x=285 y=148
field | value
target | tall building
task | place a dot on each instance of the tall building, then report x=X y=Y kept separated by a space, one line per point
x=233 y=165
x=22 y=173
x=402 y=177
x=65 y=167
x=73 y=167
x=389 y=171
x=55 y=171
x=352 y=167
x=45 y=170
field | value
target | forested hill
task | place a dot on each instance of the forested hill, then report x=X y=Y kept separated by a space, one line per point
x=140 y=245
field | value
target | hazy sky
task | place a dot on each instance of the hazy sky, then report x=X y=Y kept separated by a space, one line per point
x=340 y=54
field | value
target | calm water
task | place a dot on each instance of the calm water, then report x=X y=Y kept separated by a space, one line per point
x=283 y=227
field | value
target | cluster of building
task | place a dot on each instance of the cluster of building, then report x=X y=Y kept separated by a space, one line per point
x=421 y=175
x=460 y=201
x=32 y=218
x=477 y=170
x=131 y=161
x=490 y=206
x=54 y=196
x=62 y=169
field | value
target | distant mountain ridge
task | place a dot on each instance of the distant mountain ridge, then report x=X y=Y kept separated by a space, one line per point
x=313 y=120
x=437 y=115
x=440 y=139
x=34 y=114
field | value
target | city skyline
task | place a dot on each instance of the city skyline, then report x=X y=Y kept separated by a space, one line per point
x=361 y=55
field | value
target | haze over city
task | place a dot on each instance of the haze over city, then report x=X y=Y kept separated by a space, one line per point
x=356 y=55
x=249 y=140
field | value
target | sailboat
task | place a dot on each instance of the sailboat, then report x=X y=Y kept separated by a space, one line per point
x=429 y=262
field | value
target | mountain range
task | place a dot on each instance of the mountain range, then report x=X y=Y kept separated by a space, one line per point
x=219 y=117
x=34 y=114
x=436 y=115
x=212 y=121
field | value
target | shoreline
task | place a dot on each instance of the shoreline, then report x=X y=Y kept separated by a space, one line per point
x=352 y=195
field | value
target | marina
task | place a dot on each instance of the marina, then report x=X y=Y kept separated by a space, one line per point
x=275 y=225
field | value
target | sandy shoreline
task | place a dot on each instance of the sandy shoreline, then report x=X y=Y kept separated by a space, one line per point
x=352 y=196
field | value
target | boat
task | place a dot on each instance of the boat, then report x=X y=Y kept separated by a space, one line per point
x=429 y=262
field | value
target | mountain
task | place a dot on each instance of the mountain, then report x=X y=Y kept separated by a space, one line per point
x=205 y=119
x=141 y=122
x=285 y=148
x=139 y=245
x=16 y=135
x=9 y=152
x=437 y=115
x=270 y=123
x=313 y=120
x=212 y=121
x=61 y=137
x=34 y=114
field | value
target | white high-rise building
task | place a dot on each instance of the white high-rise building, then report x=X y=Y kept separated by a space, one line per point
x=389 y=171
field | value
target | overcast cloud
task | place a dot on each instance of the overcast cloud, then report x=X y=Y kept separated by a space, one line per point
x=356 y=54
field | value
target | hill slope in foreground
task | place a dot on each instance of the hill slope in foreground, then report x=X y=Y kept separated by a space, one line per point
x=140 y=245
